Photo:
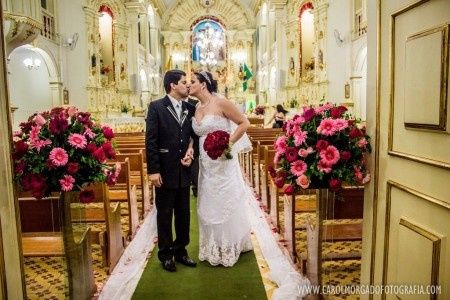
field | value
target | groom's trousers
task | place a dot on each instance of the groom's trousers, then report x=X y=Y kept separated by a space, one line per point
x=171 y=202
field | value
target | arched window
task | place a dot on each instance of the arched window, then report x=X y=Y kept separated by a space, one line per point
x=106 y=42
x=306 y=30
x=208 y=43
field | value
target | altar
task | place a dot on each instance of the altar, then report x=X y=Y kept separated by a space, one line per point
x=125 y=123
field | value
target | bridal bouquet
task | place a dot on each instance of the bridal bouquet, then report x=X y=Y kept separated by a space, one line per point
x=322 y=147
x=217 y=143
x=63 y=150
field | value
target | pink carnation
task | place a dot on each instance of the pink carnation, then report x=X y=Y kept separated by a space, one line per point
x=39 y=144
x=67 y=183
x=35 y=131
x=340 y=124
x=330 y=155
x=300 y=137
x=298 y=167
x=281 y=144
x=77 y=141
x=89 y=133
x=323 y=167
x=71 y=111
x=59 y=157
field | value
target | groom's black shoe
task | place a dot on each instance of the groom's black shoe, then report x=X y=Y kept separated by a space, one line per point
x=169 y=265
x=186 y=260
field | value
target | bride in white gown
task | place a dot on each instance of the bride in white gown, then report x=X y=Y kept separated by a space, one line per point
x=224 y=226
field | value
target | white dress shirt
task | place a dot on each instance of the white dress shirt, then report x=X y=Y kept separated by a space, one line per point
x=177 y=105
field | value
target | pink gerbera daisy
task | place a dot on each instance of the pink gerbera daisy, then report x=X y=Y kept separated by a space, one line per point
x=67 y=183
x=77 y=141
x=59 y=157
x=330 y=155
x=300 y=137
x=327 y=127
x=298 y=167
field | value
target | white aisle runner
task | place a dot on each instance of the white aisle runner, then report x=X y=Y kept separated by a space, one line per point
x=125 y=277
x=291 y=285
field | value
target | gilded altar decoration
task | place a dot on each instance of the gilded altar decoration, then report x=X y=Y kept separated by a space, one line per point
x=323 y=147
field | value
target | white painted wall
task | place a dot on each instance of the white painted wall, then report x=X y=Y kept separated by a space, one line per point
x=29 y=89
x=76 y=62
x=338 y=57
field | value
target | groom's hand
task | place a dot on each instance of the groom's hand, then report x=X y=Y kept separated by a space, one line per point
x=186 y=161
x=156 y=179
x=189 y=153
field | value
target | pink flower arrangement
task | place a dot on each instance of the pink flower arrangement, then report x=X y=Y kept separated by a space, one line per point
x=63 y=150
x=260 y=110
x=323 y=147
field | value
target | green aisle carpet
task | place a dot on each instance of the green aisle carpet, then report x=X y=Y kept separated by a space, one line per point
x=242 y=281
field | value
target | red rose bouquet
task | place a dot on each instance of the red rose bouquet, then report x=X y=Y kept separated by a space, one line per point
x=217 y=144
x=322 y=147
x=63 y=150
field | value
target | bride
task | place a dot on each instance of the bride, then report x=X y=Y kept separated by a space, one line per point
x=224 y=227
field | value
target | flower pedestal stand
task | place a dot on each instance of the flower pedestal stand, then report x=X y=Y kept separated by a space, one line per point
x=312 y=260
x=77 y=250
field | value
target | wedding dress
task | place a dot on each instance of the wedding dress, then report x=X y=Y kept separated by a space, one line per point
x=223 y=223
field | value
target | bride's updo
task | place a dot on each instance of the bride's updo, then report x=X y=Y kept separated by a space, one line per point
x=206 y=77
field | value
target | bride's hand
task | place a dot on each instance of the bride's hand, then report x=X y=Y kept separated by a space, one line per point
x=186 y=161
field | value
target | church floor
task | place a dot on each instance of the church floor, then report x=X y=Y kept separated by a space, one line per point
x=242 y=281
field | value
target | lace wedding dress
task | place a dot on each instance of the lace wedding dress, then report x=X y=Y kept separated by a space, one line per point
x=224 y=225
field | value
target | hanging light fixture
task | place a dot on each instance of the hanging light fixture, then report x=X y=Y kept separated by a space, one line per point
x=209 y=41
x=31 y=63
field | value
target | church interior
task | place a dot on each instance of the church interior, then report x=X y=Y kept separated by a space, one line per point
x=385 y=237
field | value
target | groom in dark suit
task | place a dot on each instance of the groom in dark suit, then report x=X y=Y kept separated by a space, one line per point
x=169 y=146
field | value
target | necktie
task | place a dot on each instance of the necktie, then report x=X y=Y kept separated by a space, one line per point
x=178 y=110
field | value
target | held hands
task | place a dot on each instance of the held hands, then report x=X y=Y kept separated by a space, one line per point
x=156 y=179
x=188 y=157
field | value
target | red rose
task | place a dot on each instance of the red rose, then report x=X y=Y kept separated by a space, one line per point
x=91 y=147
x=20 y=149
x=279 y=182
x=309 y=114
x=289 y=190
x=334 y=184
x=99 y=155
x=109 y=150
x=87 y=196
x=72 y=168
x=216 y=143
x=345 y=155
x=19 y=167
x=108 y=132
x=321 y=144
x=337 y=112
x=355 y=133
x=272 y=172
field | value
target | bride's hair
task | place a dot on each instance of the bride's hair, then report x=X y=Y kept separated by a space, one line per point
x=206 y=77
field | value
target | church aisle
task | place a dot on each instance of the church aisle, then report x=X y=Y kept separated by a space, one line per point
x=242 y=281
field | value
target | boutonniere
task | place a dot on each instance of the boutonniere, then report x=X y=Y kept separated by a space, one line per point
x=185 y=112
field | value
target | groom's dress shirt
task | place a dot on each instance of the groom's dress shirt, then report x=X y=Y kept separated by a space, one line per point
x=177 y=105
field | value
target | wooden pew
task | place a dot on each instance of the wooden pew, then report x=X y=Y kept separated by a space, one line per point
x=74 y=246
x=138 y=177
x=353 y=197
x=123 y=191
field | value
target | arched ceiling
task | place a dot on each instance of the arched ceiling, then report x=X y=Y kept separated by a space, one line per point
x=180 y=14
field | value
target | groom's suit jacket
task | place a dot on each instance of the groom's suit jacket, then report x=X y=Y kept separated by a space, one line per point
x=166 y=141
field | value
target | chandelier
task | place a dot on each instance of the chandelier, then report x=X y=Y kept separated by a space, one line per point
x=32 y=63
x=209 y=41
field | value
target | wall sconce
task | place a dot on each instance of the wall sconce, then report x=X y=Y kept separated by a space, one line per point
x=71 y=42
x=32 y=63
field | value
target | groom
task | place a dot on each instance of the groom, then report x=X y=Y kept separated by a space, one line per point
x=169 y=148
